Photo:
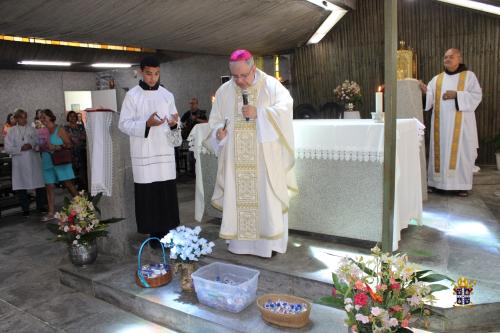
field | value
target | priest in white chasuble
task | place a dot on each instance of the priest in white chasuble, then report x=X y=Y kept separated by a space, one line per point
x=21 y=143
x=252 y=135
x=148 y=114
x=453 y=96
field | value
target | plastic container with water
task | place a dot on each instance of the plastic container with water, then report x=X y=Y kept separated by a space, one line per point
x=226 y=287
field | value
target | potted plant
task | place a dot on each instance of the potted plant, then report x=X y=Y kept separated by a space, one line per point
x=79 y=226
x=186 y=247
x=382 y=294
x=349 y=94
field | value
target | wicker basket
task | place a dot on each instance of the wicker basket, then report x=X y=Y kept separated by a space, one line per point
x=146 y=282
x=285 y=320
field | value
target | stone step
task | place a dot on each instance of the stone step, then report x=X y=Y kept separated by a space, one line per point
x=114 y=283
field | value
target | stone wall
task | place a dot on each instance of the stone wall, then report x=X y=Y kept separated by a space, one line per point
x=31 y=90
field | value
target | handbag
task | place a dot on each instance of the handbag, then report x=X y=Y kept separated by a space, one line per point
x=62 y=156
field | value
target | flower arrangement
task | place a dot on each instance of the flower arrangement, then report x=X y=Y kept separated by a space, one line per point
x=382 y=294
x=348 y=92
x=185 y=244
x=78 y=222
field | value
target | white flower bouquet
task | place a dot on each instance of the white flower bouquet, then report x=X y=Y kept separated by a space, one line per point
x=348 y=92
x=77 y=221
x=186 y=245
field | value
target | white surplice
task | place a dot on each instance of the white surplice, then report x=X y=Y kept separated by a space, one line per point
x=26 y=165
x=259 y=225
x=153 y=157
x=468 y=100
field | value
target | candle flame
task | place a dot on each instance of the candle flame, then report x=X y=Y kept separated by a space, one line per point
x=379 y=88
x=213 y=99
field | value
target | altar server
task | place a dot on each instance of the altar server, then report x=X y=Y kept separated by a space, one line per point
x=252 y=134
x=453 y=95
x=21 y=143
x=147 y=115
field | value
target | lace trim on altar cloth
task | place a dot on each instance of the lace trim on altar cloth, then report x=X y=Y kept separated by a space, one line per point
x=340 y=155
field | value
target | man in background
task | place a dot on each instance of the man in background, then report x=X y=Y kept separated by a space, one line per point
x=453 y=96
x=192 y=117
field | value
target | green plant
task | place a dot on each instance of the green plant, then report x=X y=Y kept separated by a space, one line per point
x=383 y=293
x=78 y=222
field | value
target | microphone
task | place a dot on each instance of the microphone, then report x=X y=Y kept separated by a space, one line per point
x=244 y=94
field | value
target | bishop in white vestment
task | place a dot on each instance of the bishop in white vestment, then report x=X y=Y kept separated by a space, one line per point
x=252 y=134
x=453 y=95
x=148 y=113
x=21 y=143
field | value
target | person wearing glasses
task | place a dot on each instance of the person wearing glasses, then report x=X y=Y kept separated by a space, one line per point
x=21 y=143
x=453 y=96
x=252 y=135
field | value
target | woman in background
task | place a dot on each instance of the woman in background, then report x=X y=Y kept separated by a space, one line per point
x=53 y=174
x=79 y=151
x=11 y=122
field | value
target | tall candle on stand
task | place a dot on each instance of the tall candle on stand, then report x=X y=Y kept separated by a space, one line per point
x=379 y=100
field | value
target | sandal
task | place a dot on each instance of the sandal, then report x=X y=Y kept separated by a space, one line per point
x=463 y=194
x=47 y=217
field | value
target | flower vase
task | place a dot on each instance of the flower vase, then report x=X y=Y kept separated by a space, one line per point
x=349 y=107
x=83 y=253
x=185 y=270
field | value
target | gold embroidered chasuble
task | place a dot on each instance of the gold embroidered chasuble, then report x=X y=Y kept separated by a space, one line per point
x=255 y=175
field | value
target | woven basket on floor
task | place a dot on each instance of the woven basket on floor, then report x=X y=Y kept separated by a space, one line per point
x=161 y=280
x=286 y=320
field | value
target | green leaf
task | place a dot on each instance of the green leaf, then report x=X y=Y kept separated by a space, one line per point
x=331 y=301
x=363 y=267
x=434 y=277
x=339 y=285
x=67 y=201
x=96 y=199
x=437 y=287
x=419 y=274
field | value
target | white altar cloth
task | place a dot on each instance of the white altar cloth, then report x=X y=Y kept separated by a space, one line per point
x=346 y=140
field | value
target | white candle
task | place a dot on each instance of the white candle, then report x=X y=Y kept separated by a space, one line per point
x=379 y=102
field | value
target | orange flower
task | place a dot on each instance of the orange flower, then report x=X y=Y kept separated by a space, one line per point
x=376 y=297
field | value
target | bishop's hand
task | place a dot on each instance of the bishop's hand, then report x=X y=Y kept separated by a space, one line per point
x=221 y=133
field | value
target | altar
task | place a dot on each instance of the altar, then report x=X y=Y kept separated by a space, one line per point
x=339 y=167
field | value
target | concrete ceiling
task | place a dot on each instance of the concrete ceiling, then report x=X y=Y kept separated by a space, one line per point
x=173 y=27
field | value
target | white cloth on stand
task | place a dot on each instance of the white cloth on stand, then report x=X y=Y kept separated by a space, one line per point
x=101 y=152
x=196 y=137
